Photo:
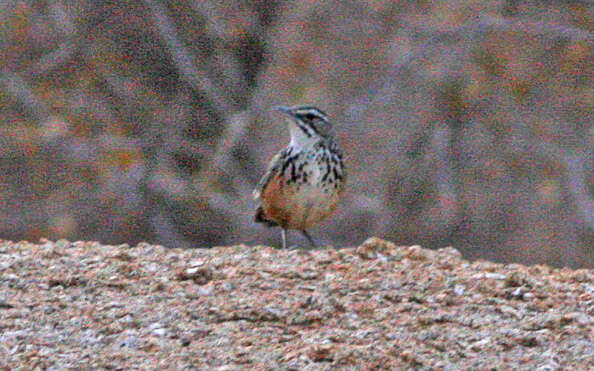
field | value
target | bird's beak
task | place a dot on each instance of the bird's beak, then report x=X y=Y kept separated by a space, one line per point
x=285 y=110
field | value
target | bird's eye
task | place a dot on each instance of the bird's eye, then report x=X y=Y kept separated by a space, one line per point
x=310 y=116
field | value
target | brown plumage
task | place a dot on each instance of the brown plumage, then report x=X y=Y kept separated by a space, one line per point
x=304 y=182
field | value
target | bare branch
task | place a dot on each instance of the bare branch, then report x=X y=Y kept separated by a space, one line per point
x=61 y=17
x=16 y=86
x=485 y=25
x=63 y=22
x=166 y=233
x=221 y=161
x=225 y=42
x=209 y=13
x=470 y=33
x=551 y=30
x=445 y=177
x=197 y=78
x=576 y=181
x=52 y=60
x=234 y=130
x=575 y=177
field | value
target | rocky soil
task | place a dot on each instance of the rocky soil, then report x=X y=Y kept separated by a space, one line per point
x=83 y=305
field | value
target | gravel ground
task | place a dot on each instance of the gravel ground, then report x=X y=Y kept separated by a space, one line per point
x=83 y=305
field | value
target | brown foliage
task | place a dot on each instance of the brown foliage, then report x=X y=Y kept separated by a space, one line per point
x=468 y=124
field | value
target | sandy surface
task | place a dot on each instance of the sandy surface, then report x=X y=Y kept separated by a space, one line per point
x=378 y=306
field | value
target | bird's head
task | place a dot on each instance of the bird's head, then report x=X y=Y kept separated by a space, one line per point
x=306 y=123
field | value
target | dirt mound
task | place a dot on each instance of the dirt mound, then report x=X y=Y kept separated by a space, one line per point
x=83 y=304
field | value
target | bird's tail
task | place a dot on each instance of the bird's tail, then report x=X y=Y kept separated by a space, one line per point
x=260 y=217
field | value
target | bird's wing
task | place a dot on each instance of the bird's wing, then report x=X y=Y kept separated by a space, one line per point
x=273 y=168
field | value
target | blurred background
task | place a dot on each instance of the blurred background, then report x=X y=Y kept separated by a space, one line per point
x=464 y=122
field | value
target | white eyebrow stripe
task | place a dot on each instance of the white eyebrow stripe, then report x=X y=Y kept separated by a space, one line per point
x=314 y=111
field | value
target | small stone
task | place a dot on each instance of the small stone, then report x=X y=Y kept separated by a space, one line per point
x=372 y=246
x=155 y=325
x=200 y=275
x=527 y=341
x=494 y=276
x=5 y=305
x=450 y=251
x=62 y=243
x=128 y=342
x=416 y=252
x=320 y=353
x=185 y=341
x=506 y=309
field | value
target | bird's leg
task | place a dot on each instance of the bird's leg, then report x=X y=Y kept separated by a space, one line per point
x=311 y=241
x=284 y=236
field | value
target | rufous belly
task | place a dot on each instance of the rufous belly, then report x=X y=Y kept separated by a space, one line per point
x=300 y=206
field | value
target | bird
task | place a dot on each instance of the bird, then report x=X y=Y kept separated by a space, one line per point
x=304 y=182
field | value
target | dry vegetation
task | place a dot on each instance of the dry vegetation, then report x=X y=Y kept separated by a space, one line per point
x=466 y=123
x=84 y=305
